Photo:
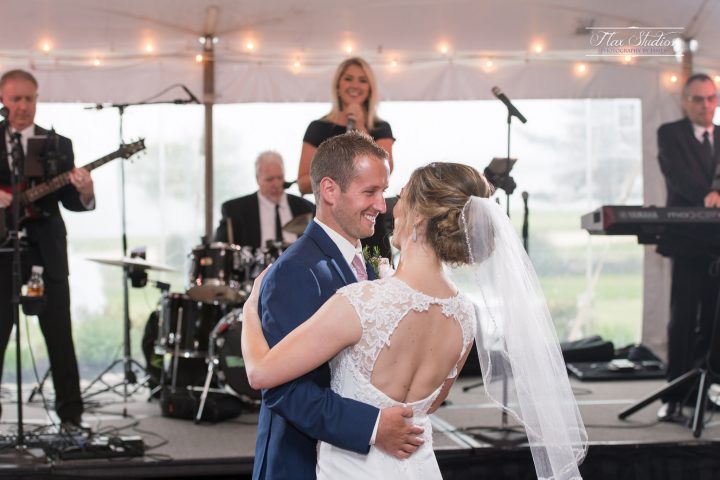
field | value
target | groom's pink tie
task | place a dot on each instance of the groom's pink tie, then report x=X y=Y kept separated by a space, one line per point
x=359 y=265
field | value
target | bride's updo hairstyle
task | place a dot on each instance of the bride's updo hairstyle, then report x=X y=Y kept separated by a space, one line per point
x=439 y=192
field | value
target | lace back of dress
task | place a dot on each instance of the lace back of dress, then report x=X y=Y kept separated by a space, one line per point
x=410 y=324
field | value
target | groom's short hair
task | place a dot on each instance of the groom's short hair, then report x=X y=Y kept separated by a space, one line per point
x=335 y=158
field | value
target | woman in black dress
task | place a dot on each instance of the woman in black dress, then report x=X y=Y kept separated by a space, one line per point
x=354 y=106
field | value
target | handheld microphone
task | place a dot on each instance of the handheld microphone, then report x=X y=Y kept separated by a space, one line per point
x=4 y=112
x=287 y=185
x=511 y=108
x=350 y=123
x=190 y=94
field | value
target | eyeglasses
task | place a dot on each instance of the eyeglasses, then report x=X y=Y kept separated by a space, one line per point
x=699 y=100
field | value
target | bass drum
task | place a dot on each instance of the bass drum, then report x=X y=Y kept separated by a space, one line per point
x=231 y=369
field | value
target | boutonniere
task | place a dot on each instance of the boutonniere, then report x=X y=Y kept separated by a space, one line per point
x=380 y=265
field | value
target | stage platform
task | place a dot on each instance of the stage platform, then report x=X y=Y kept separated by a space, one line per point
x=637 y=448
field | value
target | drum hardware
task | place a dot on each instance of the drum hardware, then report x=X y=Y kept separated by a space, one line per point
x=225 y=361
x=217 y=272
x=138 y=267
x=205 y=322
x=298 y=224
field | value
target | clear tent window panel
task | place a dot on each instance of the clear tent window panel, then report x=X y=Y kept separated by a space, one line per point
x=573 y=156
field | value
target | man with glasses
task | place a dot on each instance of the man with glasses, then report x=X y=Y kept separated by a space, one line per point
x=689 y=158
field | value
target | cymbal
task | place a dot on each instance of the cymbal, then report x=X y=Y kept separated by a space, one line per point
x=132 y=262
x=298 y=224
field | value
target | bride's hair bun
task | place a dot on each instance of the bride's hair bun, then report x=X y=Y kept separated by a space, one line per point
x=439 y=192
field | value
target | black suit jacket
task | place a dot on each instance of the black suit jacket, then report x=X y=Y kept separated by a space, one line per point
x=688 y=177
x=244 y=214
x=46 y=235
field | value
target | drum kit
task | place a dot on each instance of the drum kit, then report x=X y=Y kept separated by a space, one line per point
x=205 y=322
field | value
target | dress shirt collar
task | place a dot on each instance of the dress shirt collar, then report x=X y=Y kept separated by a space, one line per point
x=269 y=203
x=699 y=131
x=347 y=249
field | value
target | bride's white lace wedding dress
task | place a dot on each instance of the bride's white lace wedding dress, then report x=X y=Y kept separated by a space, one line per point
x=381 y=306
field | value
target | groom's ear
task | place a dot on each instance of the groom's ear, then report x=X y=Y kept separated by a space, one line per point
x=329 y=190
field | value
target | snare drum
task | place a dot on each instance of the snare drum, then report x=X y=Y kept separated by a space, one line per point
x=218 y=271
x=185 y=324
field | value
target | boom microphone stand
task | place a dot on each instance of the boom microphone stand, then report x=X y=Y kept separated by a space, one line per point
x=498 y=174
x=129 y=376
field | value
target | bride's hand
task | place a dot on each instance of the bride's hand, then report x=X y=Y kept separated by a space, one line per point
x=254 y=297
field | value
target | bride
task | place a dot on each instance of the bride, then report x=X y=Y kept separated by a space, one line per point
x=402 y=340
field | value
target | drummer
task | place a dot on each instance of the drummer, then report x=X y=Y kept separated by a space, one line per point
x=255 y=219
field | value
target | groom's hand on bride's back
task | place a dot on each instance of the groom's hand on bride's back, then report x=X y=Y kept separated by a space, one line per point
x=396 y=435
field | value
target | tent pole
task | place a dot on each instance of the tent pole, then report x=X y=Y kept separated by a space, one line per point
x=208 y=101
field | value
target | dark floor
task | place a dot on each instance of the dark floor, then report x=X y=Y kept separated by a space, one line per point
x=179 y=448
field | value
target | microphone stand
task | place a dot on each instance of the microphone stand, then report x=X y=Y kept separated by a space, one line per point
x=129 y=376
x=502 y=436
x=507 y=162
x=16 y=177
x=526 y=211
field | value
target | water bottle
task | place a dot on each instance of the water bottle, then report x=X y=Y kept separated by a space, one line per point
x=35 y=285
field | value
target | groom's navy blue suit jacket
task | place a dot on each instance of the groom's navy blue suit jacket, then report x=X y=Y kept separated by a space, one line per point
x=295 y=415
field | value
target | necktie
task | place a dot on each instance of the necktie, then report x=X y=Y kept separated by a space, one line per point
x=359 y=265
x=278 y=225
x=16 y=152
x=707 y=150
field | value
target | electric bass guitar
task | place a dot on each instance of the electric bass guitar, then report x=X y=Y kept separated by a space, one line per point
x=28 y=196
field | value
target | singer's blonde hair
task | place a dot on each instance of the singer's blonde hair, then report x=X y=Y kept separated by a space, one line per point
x=370 y=104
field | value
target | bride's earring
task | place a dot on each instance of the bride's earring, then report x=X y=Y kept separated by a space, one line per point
x=414 y=234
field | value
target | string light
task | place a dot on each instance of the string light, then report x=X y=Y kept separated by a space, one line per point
x=199 y=58
x=46 y=46
x=628 y=58
x=673 y=78
x=149 y=48
x=348 y=49
x=581 y=69
x=538 y=47
x=394 y=63
x=250 y=45
x=96 y=62
x=444 y=48
x=717 y=78
x=489 y=64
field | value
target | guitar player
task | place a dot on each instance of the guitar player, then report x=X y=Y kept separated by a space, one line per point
x=46 y=242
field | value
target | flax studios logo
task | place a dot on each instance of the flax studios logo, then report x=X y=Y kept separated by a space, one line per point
x=635 y=41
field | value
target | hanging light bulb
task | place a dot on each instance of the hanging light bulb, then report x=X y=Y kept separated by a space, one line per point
x=581 y=69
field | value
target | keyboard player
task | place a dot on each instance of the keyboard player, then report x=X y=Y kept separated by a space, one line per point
x=688 y=152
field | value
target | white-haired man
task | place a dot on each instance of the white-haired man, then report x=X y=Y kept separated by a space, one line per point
x=255 y=219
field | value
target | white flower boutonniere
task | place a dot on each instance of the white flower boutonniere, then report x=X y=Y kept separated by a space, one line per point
x=380 y=265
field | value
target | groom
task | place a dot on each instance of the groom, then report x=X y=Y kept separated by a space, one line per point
x=349 y=175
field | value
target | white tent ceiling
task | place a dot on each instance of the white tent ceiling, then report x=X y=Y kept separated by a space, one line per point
x=314 y=33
